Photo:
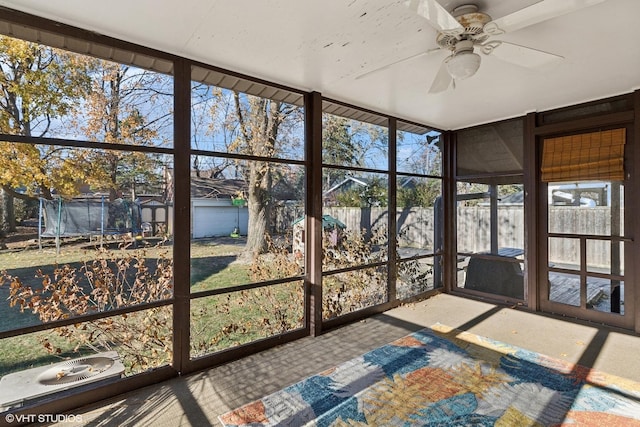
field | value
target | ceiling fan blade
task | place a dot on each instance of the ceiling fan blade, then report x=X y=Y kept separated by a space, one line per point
x=538 y=12
x=519 y=55
x=400 y=61
x=437 y=15
x=443 y=79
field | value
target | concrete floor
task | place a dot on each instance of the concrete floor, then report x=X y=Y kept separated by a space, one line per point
x=198 y=399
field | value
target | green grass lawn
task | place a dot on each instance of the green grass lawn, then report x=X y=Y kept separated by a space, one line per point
x=26 y=351
x=228 y=320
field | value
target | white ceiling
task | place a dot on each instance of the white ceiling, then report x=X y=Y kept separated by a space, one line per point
x=325 y=45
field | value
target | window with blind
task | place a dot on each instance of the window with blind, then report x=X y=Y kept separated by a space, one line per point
x=588 y=156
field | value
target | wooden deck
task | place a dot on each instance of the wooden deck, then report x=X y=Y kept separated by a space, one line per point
x=565 y=289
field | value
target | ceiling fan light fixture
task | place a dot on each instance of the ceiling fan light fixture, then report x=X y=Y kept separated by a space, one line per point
x=463 y=65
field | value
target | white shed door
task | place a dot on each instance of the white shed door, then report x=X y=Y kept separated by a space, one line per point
x=209 y=221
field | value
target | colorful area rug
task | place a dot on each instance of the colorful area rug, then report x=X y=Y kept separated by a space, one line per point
x=443 y=377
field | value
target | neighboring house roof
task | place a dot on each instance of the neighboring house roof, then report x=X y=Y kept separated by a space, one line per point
x=212 y=188
x=513 y=199
x=216 y=188
x=408 y=182
x=347 y=183
x=350 y=181
x=151 y=199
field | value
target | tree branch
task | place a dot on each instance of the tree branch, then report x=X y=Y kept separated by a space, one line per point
x=243 y=125
x=17 y=195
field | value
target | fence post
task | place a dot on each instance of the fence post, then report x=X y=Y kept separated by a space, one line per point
x=40 y=225
x=101 y=221
x=58 y=227
x=438 y=234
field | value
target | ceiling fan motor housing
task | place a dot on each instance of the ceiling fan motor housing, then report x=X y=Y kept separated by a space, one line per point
x=473 y=23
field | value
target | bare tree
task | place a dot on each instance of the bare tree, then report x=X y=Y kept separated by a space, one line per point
x=122 y=109
x=260 y=122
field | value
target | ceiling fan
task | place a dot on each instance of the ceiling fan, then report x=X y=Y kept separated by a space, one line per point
x=466 y=29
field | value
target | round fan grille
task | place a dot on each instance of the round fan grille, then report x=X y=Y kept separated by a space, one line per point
x=75 y=370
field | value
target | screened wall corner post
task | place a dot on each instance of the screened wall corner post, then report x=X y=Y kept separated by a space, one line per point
x=182 y=209
x=634 y=179
x=392 y=219
x=313 y=132
x=531 y=198
x=449 y=209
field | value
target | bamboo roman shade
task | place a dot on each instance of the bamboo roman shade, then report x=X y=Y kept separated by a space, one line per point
x=588 y=156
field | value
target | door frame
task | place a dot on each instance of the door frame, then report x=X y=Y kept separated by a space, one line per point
x=541 y=299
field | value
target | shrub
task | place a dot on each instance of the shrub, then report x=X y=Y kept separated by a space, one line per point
x=354 y=289
x=112 y=280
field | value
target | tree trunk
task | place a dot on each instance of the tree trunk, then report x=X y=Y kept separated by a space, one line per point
x=258 y=205
x=256 y=231
x=8 y=213
x=259 y=133
x=3 y=232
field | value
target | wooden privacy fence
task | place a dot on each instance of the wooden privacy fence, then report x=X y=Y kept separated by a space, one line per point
x=416 y=228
